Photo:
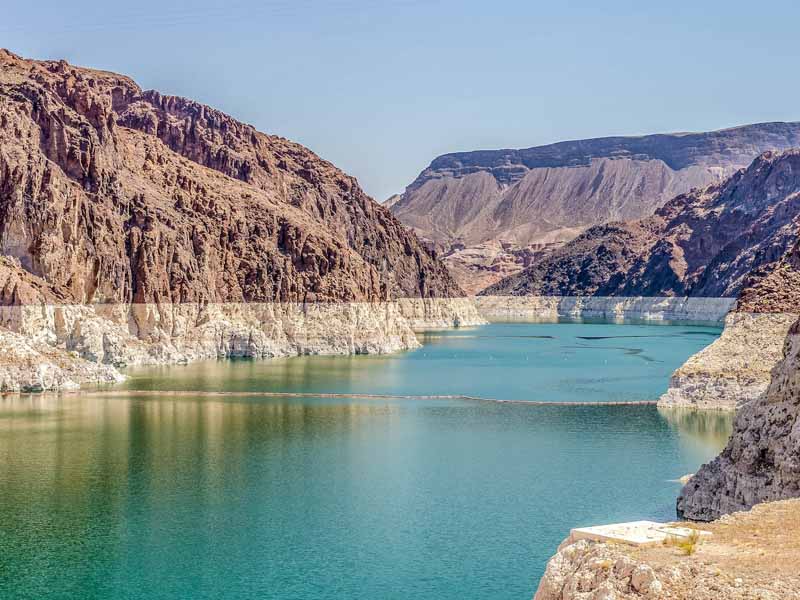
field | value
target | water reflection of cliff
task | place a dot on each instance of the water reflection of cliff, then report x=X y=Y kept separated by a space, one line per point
x=705 y=430
x=86 y=478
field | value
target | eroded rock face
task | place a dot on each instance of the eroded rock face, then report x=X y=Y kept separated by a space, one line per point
x=120 y=195
x=762 y=460
x=705 y=243
x=28 y=365
x=139 y=228
x=734 y=370
x=521 y=194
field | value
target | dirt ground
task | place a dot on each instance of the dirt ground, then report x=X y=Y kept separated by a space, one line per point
x=755 y=552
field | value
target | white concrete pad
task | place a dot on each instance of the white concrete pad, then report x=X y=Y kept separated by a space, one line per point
x=635 y=533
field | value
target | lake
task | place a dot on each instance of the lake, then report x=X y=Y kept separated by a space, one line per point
x=221 y=491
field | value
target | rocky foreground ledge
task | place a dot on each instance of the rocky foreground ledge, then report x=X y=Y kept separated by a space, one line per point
x=749 y=555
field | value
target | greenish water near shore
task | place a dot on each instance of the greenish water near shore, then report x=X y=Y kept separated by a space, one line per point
x=139 y=495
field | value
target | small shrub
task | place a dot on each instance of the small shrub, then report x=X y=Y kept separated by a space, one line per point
x=686 y=544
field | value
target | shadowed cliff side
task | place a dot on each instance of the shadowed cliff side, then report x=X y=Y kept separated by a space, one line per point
x=704 y=243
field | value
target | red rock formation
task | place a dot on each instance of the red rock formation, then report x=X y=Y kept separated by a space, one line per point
x=112 y=194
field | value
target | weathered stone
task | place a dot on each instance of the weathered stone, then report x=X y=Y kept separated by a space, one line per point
x=762 y=460
x=735 y=369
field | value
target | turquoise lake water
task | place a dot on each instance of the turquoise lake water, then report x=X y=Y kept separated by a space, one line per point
x=144 y=494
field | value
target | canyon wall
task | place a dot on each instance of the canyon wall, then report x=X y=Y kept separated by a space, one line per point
x=613 y=308
x=735 y=369
x=761 y=462
x=137 y=227
x=61 y=346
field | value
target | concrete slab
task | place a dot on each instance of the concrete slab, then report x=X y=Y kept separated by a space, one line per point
x=635 y=533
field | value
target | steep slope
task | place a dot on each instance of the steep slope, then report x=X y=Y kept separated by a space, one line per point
x=108 y=180
x=761 y=462
x=549 y=194
x=197 y=233
x=704 y=243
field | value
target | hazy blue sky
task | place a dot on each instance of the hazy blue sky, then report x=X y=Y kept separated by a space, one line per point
x=381 y=88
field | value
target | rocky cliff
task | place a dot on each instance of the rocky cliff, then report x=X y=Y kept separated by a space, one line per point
x=762 y=459
x=736 y=369
x=546 y=195
x=168 y=213
x=124 y=195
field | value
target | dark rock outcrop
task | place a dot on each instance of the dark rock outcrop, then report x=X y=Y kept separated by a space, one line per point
x=705 y=243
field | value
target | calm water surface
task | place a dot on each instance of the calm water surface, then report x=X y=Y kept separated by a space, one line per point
x=142 y=495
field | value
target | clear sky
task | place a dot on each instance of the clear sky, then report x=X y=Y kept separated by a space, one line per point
x=381 y=88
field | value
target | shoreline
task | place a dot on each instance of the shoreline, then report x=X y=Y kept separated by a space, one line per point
x=56 y=347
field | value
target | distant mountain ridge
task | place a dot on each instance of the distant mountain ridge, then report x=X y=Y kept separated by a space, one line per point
x=705 y=243
x=678 y=150
x=546 y=195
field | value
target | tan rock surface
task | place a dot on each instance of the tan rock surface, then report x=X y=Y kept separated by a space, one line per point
x=750 y=555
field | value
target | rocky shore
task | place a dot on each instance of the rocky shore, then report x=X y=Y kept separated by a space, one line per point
x=52 y=347
x=665 y=308
x=735 y=369
x=761 y=462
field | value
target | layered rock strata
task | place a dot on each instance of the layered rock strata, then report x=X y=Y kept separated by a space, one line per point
x=761 y=462
x=707 y=310
x=487 y=210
